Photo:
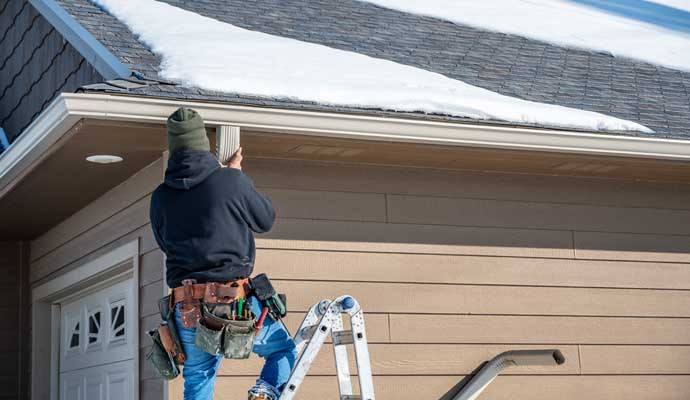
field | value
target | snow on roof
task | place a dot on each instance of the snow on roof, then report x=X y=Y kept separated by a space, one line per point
x=209 y=54
x=656 y=32
x=679 y=4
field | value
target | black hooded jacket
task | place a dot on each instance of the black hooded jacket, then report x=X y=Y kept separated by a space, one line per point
x=203 y=216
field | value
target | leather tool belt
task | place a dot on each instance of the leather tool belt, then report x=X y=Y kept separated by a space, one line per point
x=211 y=292
x=191 y=294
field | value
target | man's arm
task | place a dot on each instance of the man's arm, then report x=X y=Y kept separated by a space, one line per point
x=155 y=223
x=259 y=212
x=257 y=208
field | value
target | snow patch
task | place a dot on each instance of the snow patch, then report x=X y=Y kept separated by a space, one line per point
x=567 y=23
x=205 y=53
x=679 y=4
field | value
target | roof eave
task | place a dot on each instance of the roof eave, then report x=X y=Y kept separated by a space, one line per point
x=53 y=126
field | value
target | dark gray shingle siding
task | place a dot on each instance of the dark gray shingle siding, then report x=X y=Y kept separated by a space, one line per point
x=36 y=64
x=655 y=96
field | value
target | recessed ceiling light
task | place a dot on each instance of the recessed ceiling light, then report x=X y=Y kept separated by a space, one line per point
x=104 y=159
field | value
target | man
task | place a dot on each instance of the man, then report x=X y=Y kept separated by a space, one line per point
x=203 y=217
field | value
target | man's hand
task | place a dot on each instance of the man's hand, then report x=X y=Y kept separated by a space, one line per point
x=236 y=160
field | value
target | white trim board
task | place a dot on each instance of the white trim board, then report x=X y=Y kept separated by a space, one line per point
x=53 y=125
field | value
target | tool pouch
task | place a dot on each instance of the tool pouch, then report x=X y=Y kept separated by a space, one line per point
x=264 y=291
x=208 y=339
x=180 y=357
x=190 y=308
x=238 y=339
x=216 y=334
x=164 y=307
x=160 y=359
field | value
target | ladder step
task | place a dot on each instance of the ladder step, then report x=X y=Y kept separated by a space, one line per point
x=342 y=338
x=350 y=397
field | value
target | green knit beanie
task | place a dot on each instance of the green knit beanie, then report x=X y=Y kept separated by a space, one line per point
x=186 y=131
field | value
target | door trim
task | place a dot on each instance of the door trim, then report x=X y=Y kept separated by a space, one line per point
x=117 y=264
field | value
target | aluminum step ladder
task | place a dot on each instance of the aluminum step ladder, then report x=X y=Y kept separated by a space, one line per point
x=323 y=319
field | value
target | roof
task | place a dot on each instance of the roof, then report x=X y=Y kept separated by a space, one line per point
x=654 y=96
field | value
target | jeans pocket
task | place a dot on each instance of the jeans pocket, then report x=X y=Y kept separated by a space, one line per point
x=238 y=339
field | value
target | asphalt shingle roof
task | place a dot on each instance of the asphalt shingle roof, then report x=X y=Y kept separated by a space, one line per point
x=654 y=96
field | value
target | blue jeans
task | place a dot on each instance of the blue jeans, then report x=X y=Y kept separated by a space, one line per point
x=273 y=344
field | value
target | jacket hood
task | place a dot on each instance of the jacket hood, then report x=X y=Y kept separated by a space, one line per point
x=189 y=168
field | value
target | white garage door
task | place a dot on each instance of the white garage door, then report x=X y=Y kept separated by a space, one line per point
x=97 y=347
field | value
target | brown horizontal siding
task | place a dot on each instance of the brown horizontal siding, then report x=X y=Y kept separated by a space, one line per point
x=632 y=247
x=418 y=359
x=477 y=270
x=494 y=300
x=117 y=226
x=337 y=177
x=120 y=198
x=311 y=234
x=539 y=329
x=599 y=360
x=537 y=215
x=632 y=387
x=448 y=277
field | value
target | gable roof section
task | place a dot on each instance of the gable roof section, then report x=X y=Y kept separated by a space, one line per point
x=104 y=61
x=654 y=96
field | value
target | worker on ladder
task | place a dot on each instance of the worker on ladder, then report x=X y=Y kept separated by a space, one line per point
x=203 y=217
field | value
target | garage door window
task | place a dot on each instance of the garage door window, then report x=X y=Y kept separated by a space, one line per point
x=94 y=327
x=117 y=321
x=74 y=338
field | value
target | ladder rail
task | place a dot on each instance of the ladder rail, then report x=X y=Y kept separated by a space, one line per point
x=309 y=324
x=322 y=319
x=359 y=340
x=342 y=365
x=307 y=357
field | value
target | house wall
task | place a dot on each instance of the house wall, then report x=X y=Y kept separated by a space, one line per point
x=14 y=326
x=451 y=268
x=36 y=64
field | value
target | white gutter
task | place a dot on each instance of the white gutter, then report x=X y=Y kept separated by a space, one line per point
x=69 y=108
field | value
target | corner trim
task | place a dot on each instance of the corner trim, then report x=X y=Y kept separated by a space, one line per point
x=92 y=50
